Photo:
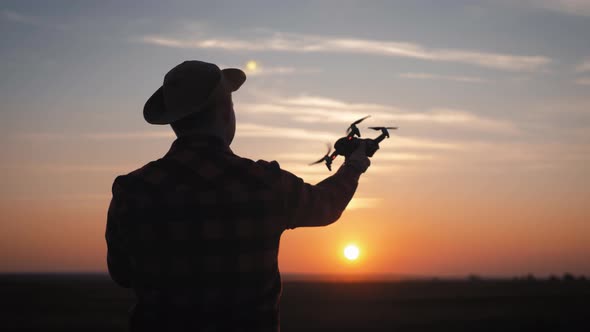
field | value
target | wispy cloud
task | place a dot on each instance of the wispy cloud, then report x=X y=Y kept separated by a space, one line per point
x=319 y=171
x=67 y=168
x=310 y=114
x=99 y=136
x=265 y=131
x=35 y=21
x=584 y=66
x=426 y=144
x=389 y=162
x=571 y=7
x=130 y=135
x=313 y=109
x=244 y=130
x=274 y=71
x=255 y=68
x=390 y=156
x=460 y=118
x=329 y=103
x=288 y=42
x=426 y=76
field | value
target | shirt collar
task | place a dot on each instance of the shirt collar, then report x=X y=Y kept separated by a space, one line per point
x=200 y=142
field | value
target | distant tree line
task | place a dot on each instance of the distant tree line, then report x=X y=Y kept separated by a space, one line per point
x=566 y=277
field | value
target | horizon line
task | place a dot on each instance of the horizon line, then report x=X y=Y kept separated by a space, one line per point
x=342 y=277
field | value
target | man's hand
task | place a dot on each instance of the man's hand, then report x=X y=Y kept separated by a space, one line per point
x=358 y=158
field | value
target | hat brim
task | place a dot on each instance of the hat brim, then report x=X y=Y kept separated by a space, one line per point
x=234 y=78
x=155 y=112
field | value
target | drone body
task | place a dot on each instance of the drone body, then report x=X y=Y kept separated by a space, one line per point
x=346 y=145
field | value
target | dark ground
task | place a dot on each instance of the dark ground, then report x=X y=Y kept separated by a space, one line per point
x=94 y=303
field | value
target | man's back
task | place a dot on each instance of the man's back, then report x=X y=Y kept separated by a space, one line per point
x=196 y=234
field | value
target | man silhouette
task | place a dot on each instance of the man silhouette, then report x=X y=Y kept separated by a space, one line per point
x=196 y=232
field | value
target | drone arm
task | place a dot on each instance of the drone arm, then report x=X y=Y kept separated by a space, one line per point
x=380 y=138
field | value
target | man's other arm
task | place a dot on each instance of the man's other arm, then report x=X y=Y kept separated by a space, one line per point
x=117 y=257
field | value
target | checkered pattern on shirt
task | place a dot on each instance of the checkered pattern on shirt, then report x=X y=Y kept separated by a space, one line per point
x=196 y=234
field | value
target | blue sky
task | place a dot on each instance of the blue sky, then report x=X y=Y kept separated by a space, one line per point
x=492 y=97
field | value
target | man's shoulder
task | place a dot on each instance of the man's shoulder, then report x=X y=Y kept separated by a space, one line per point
x=260 y=167
x=268 y=165
x=254 y=167
x=158 y=171
x=142 y=175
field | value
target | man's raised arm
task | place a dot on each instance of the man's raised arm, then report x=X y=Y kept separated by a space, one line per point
x=323 y=203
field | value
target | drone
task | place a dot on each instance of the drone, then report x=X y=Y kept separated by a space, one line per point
x=344 y=146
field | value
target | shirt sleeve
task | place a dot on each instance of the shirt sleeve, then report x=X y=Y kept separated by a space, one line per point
x=321 y=204
x=117 y=257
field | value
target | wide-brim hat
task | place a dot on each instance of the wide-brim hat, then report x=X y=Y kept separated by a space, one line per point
x=189 y=88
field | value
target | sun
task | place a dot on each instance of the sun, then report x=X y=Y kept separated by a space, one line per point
x=252 y=65
x=351 y=252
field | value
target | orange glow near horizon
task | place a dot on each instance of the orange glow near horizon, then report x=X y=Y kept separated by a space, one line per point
x=69 y=236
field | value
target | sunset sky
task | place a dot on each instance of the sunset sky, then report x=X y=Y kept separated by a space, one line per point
x=488 y=174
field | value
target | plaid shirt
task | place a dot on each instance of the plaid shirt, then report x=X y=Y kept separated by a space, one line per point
x=196 y=235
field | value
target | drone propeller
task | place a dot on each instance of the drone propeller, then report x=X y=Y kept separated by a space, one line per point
x=324 y=157
x=354 y=128
x=384 y=131
x=381 y=128
x=360 y=120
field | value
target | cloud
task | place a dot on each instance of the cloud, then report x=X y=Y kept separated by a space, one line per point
x=15 y=17
x=584 y=66
x=314 y=109
x=571 y=7
x=243 y=130
x=255 y=68
x=583 y=81
x=390 y=156
x=418 y=143
x=460 y=118
x=265 y=131
x=69 y=168
x=311 y=114
x=288 y=42
x=266 y=71
x=425 y=76
x=319 y=171
x=329 y=103
x=252 y=130
x=129 y=135
x=101 y=136
x=389 y=162
x=274 y=71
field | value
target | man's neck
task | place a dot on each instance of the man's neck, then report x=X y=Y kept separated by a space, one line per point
x=203 y=132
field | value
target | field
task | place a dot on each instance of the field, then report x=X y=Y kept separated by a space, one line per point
x=94 y=303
